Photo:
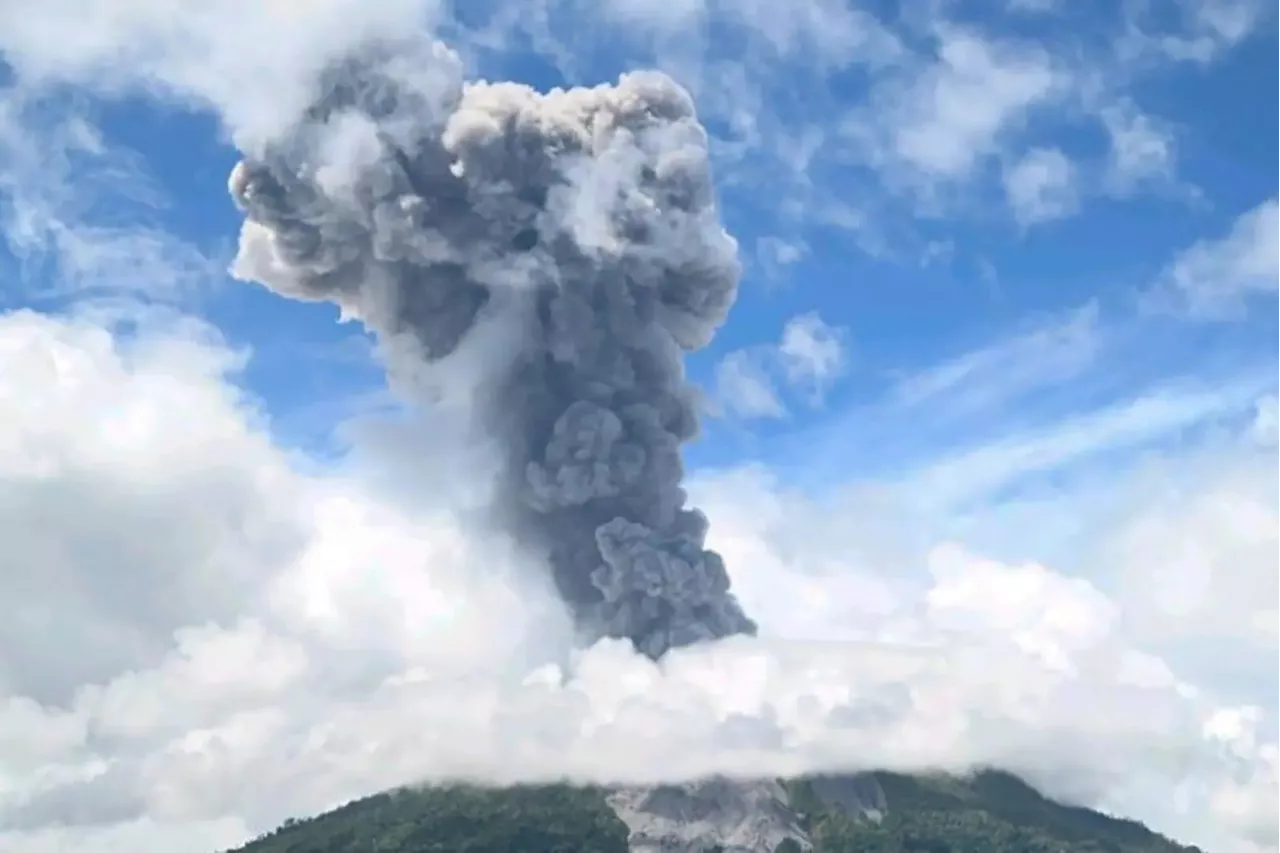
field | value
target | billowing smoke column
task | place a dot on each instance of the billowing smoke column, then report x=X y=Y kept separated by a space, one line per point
x=584 y=222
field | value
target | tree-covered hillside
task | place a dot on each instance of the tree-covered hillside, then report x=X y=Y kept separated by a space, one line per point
x=991 y=812
x=988 y=813
x=460 y=819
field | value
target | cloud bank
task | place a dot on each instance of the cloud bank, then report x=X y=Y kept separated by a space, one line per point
x=238 y=641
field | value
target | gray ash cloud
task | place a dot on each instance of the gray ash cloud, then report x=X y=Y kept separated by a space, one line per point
x=580 y=228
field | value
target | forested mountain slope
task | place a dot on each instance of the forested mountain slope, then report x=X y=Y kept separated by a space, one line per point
x=990 y=812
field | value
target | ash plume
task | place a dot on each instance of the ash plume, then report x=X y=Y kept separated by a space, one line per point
x=580 y=226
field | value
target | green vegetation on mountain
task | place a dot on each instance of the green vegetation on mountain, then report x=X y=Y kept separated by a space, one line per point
x=459 y=819
x=990 y=812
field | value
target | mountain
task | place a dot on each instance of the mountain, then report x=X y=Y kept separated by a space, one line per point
x=989 y=812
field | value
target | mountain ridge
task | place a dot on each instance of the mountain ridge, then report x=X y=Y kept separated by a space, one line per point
x=985 y=812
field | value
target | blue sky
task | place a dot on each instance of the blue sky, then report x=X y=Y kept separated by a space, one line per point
x=1001 y=376
x=867 y=166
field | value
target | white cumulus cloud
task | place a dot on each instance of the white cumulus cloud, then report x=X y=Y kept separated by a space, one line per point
x=808 y=358
x=239 y=640
x=1213 y=278
x=1041 y=186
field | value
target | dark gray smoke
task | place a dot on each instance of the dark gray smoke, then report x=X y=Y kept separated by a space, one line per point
x=581 y=227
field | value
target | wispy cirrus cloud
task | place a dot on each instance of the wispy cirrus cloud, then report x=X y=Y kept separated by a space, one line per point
x=1054 y=350
x=56 y=172
x=977 y=473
